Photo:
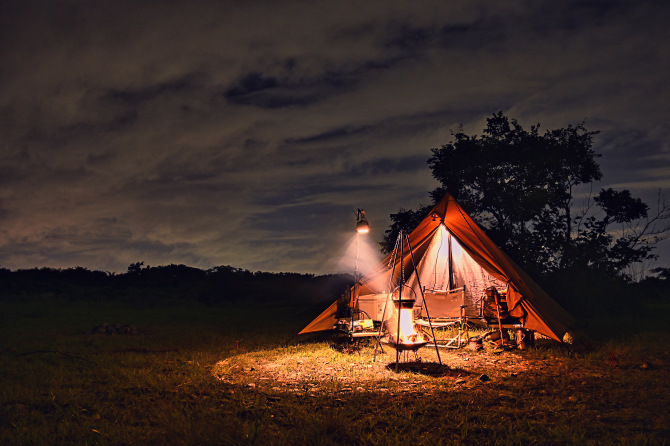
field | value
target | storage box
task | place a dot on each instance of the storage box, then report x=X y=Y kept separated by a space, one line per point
x=372 y=306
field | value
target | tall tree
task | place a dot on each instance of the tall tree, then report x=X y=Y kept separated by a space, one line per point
x=520 y=185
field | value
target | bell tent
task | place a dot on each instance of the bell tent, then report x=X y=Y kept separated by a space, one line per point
x=452 y=268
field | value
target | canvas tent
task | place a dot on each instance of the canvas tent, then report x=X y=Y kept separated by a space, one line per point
x=452 y=254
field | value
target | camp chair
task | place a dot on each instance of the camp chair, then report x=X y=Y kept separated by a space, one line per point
x=446 y=308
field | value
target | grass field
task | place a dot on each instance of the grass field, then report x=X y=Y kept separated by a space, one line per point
x=199 y=375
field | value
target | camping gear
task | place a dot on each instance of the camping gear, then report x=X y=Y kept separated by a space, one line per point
x=495 y=305
x=524 y=339
x=448 y=252
x=401 y=329
x=405 y=336
x=475 y=344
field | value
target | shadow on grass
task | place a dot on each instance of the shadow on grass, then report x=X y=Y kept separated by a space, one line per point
x=427 y=368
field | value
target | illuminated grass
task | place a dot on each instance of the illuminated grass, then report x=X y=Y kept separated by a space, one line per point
x=184 y=379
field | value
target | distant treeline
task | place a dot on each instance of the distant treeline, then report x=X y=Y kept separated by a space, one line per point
x=588 y=293
x=172 y=282
x=582 y=293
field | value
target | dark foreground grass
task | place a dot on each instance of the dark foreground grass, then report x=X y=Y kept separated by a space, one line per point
x=60 y=384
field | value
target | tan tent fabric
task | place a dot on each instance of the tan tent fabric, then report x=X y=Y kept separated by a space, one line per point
x=446 y=265
x=325 y=321
x=526 y=300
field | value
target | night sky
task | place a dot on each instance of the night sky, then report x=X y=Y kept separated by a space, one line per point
x=247 y=133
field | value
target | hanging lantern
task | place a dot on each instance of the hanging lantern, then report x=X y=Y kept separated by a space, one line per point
x=362 y=226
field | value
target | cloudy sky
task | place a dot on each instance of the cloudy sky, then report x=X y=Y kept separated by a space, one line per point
x=246 y=133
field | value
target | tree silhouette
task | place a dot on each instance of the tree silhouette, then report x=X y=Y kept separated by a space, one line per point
x=520 y=186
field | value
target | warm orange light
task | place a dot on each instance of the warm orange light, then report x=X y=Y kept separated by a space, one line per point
x=406 y=336
x=362 y=226
x=407 y=331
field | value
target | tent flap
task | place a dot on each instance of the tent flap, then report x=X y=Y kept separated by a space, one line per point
x=325 y=321
x=449 y=240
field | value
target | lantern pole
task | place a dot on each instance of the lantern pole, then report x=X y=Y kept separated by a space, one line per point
x=362 y=227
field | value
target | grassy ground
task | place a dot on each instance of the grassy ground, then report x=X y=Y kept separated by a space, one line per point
x=198 y=375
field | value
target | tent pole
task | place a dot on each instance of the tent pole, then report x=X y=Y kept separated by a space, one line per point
x=402 y=282
x=450 y=261
x=423 y=297
x=389 y=296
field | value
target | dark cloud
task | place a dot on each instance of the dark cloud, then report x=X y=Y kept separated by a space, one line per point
x=245 y=133
x=292 y=89
x=331 y=135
